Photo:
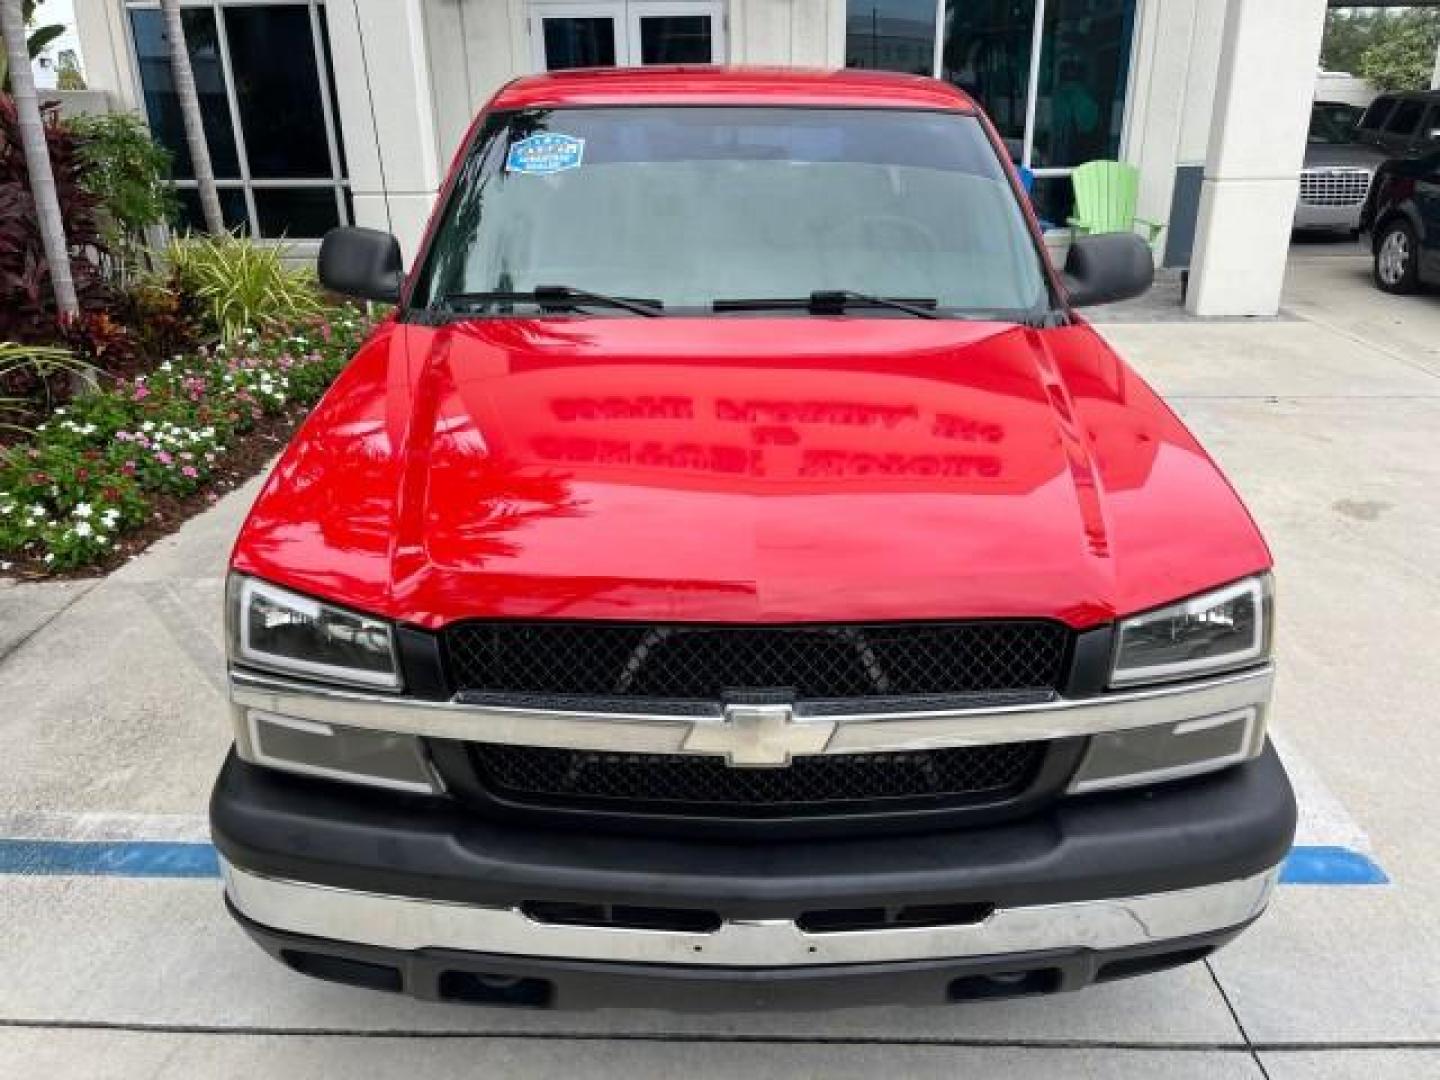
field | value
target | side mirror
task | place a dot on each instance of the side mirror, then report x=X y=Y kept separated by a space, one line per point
x=363 y=263
x=1108 y=267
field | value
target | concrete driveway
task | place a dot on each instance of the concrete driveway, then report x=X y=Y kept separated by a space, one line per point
x=122 y=963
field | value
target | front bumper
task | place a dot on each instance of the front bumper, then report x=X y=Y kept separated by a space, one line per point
x=1328 y=218
x=409 y=894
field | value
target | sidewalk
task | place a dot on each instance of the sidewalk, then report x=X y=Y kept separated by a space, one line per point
x=1327 y=420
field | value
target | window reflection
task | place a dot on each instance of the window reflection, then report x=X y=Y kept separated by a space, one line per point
x=891 y=35
x=277 y=86
x=987 y=54
x=579 y=42
x=1084 y=66
x=162 y=104
x=675 y=39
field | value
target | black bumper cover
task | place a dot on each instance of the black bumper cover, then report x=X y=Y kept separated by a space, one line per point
x=1215 y=829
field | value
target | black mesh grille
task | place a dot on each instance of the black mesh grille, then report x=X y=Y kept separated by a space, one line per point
x=705 y=662
x=701 y=785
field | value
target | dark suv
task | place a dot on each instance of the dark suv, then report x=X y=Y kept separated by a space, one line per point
x=1403 y=125
x=1402 y=216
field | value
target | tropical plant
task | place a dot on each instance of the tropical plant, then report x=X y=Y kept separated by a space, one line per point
x=30 y=309
x=28 y=371
x=36 y=40
x=163 y=317
x=30 y=127
x=242 y=285
x=128 y=172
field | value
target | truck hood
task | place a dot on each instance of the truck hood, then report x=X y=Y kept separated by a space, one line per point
x=745 y=469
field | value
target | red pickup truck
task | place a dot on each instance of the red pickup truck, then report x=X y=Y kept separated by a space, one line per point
x=736 y=575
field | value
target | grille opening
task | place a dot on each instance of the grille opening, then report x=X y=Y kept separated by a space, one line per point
x=338 y=969
x=624 y=916
x=680 y=783
x=1147 y=965
x=705 y=662
x=475 y=988
x=840 y=920
x=1334 y=186
x=1004 y=984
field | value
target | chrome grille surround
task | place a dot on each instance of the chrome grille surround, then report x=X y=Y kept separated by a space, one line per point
x=1334 y=186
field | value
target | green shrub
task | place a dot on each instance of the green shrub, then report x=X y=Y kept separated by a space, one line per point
x=243 y=285
x=93 y=470
x=129 y=173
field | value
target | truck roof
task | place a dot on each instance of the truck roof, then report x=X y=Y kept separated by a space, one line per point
x=679 y=85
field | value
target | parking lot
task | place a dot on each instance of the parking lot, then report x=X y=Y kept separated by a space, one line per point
x=120 y=960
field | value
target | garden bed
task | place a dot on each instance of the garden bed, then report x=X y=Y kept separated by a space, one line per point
x=118 y=467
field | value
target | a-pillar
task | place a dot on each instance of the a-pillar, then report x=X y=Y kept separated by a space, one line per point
x=1263 y=94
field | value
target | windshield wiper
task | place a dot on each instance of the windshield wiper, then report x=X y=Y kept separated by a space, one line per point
x=832 y=302
x=556 y=296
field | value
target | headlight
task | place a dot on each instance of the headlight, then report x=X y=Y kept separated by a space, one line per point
x=274 y=628
x=1225 y=629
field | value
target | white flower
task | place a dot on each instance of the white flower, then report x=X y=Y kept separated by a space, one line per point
x=83 y=529
x=82 y=510
x=37 y=511
x=49 y=557
x=148 y=426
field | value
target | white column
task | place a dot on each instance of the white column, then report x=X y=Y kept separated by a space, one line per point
x=1435 y=74
x=387 y=113
x=1266 y=82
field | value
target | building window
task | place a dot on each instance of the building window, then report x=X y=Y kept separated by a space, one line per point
x=1051 y=74
x=267 y=100
x=891 y=35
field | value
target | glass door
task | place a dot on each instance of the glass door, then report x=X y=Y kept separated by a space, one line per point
x=614 y=33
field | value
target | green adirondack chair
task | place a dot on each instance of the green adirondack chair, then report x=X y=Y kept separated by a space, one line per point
x=1106 y=194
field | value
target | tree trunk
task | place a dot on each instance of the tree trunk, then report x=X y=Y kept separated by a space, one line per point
x=37 y=159
x=194 y=125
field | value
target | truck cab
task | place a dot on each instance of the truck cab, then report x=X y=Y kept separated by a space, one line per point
x=737 y=574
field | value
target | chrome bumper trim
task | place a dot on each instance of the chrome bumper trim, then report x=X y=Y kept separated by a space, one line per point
x=405 y=923
x=857 y=733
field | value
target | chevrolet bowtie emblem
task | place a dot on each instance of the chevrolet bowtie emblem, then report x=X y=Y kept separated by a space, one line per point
x=759 y=736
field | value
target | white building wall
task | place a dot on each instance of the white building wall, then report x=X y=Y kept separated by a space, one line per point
x=386 y=100
x=104 y=34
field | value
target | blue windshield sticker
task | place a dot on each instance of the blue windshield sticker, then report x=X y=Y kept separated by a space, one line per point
x=540 y=155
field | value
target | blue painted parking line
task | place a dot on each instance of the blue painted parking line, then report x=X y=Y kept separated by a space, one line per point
x=101 y=858
x=1305 y=865
x=1331 y=866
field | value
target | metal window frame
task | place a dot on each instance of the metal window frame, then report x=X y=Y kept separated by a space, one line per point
x=248 y=184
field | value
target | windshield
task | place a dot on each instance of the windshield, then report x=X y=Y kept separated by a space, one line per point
x=1334 y=124
x=684 y=207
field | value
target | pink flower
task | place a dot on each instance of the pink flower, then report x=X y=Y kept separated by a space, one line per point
x=163 y=456
x=141 y=392
x=128 y=468
x=190 y=471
